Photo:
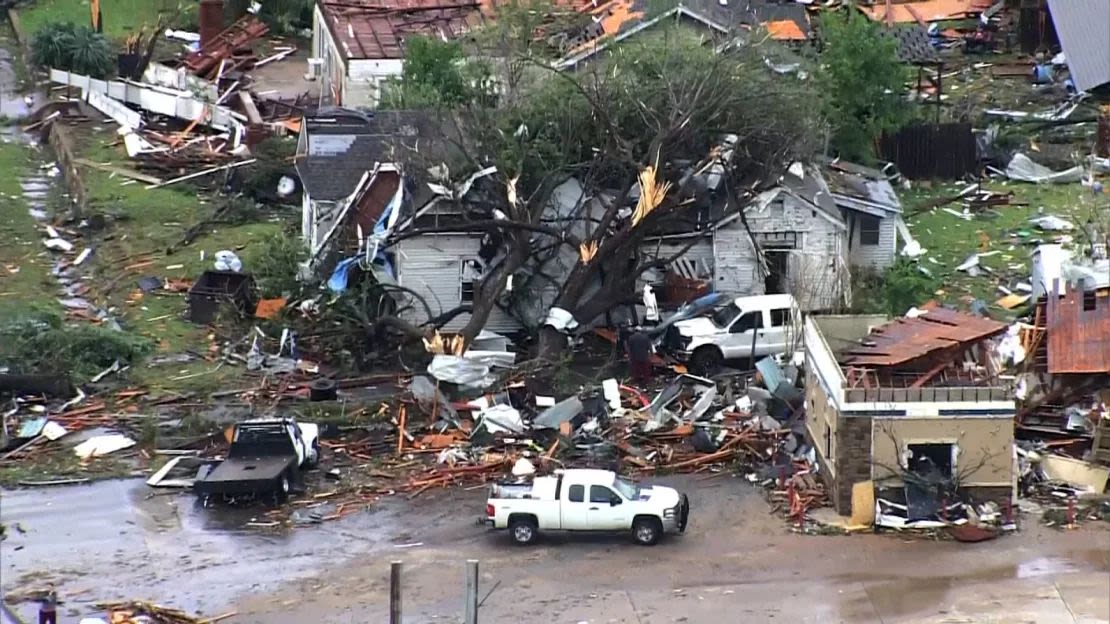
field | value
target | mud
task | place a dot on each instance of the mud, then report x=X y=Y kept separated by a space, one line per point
x=736 y=563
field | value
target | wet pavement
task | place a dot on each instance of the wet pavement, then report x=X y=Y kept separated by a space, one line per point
x=114 y=539
x=121 y=539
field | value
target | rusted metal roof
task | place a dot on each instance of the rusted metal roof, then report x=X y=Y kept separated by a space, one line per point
x=376 y=29
x=1078 y=326
x=906 y=339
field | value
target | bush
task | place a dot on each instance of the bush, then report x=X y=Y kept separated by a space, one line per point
x=40 y=343
x=277 y=266
x=66 y=46
x=274 y=158
x=864 y=80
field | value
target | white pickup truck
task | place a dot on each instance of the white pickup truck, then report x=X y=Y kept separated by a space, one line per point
x=586 y=500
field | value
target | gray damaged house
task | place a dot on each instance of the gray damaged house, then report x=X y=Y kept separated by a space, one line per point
x=804 y=236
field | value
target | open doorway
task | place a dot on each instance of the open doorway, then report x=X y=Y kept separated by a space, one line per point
x=776 y=281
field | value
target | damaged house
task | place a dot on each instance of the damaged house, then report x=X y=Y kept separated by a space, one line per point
x=914 y=406
x=802 y=237
x=361 y=43
x=614 y=21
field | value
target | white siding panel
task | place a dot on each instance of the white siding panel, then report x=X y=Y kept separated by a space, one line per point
x=431 y=266
x=736 y=271
x=876 y=257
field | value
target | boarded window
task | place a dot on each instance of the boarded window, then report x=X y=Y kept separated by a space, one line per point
x=577 y=493
x=868 y=230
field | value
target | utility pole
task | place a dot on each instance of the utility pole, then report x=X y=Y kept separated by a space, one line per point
x=471 y=591
x=395 y=592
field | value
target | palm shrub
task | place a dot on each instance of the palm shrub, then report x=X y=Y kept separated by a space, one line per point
x=80 y=49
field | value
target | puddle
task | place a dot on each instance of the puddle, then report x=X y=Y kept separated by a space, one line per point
x=122 y=539
x=13 y=104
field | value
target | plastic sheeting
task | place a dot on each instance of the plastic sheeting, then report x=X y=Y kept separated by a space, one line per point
x=103 y=445
x=472 y=369
x=1024 y=169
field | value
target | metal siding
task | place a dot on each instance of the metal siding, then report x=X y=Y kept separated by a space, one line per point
x=1083 y=27
x=431 y=266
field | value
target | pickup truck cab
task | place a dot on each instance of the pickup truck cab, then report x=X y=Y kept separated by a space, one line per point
x=746 y=327
x=586 y=500
x=264 y=458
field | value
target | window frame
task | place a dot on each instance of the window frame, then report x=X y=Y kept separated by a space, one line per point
x=608 y=494
x=869 y=236
x=758 y=314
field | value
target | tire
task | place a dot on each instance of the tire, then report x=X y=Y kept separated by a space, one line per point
x=285 y=486
x=313 y=458
x=647 y=531
x=523 y=531
x=706 y=361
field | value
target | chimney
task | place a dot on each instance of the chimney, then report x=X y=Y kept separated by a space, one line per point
x=211 y=20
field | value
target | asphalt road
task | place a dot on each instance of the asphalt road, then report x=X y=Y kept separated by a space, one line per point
x=736 y=563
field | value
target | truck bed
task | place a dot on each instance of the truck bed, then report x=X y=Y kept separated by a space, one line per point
x=243 y=475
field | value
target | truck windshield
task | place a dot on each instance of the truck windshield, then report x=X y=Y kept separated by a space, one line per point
x=723 y=316
x=626 y=488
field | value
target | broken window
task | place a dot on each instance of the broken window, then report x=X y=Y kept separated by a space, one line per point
x=868 y=230
x=932 y=461
x=751 y=320
x=577 y=493
x=470 y=275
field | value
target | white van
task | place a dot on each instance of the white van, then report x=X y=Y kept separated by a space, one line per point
x=747 y=327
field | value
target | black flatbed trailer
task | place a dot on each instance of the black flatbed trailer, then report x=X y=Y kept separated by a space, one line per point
x=261 y=460
x=238 y=476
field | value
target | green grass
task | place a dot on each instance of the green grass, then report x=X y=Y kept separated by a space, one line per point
x=146 y=223
x=25 y=263
x=1005 y=229
x=121 y=18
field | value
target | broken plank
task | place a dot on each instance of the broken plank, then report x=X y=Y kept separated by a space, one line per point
x=127 y=173
x=202 y=173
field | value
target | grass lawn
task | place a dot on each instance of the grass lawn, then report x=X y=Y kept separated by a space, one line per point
x=146 y=224
x=1004 y=229
x=25 y=263
x=121 y=17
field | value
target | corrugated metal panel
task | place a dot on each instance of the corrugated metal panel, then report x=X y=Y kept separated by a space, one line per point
x=432 y=266
x=1079 y=332
x=1083 y=27
x=906 y=339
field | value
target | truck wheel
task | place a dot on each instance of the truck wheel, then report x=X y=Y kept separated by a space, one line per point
x=647 y=531
x=523 y=531
x=313 y=458
x=284 y=486
x=706 y=361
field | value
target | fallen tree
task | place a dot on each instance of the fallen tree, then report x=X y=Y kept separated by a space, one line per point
x=640 y=132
